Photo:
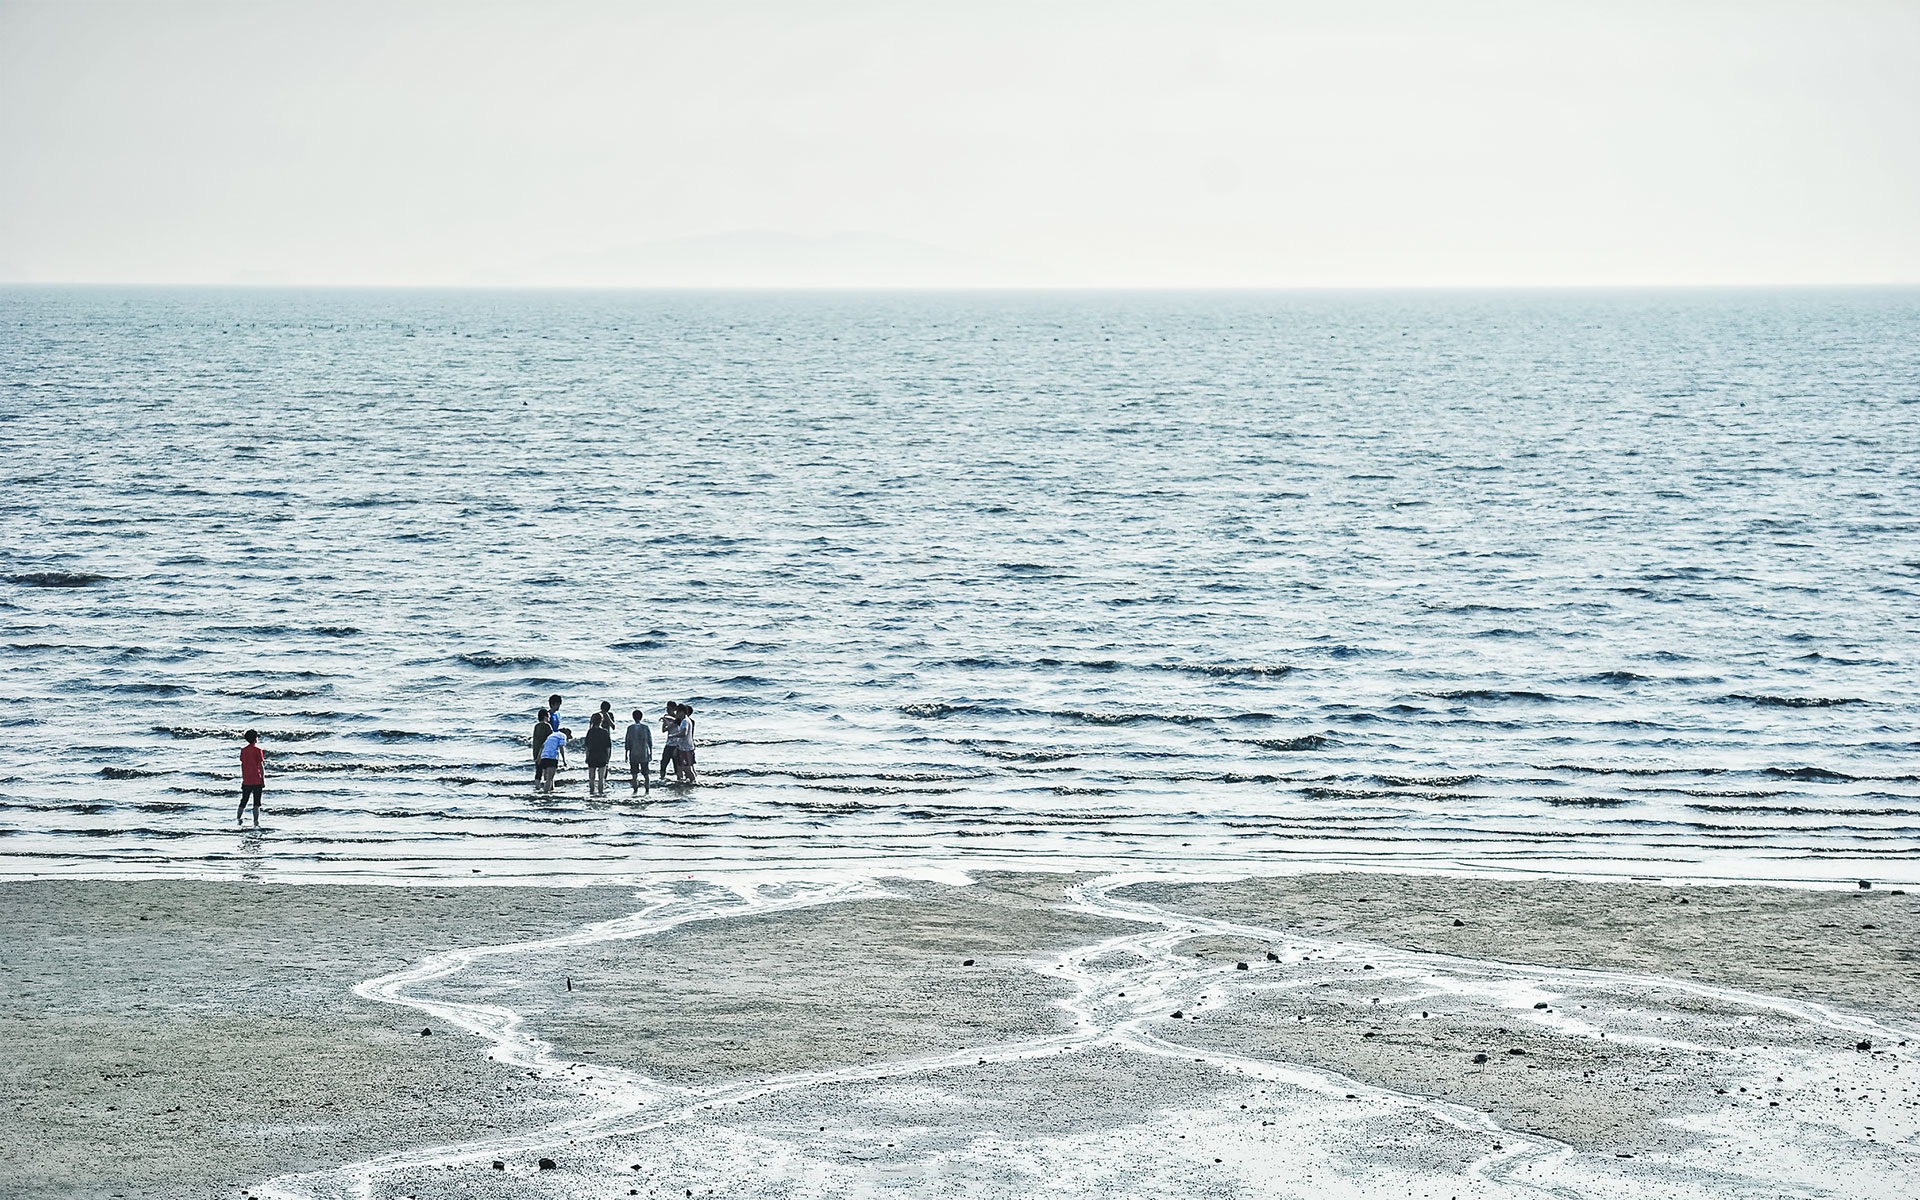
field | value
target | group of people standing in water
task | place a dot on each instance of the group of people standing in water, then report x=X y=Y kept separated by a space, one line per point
x=550 y=739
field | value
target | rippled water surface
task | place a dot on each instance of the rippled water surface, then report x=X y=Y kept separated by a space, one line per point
x=1588 y=582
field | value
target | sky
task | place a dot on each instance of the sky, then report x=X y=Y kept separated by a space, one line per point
x=1102 y=143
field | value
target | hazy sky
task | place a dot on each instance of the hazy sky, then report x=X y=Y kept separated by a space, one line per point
x=1098 y=143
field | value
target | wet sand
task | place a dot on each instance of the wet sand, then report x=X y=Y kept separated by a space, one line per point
x=843 y=1044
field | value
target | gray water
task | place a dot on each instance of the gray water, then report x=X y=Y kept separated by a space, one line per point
x=1608 y=582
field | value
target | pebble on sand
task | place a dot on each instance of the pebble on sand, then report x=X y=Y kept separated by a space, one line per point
x=1479 y=1058
x=547 y=1164
x=967 y=963
x=498 y=1165
x=1240 y=966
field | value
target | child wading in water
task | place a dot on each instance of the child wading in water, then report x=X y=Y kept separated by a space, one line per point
x=551 y=755
x=599 y=753
x=253 y=778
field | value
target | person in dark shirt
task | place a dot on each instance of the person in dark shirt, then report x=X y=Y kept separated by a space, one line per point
x=599 y=753
x=542 y=728
x=253 y=778
x=668 y=720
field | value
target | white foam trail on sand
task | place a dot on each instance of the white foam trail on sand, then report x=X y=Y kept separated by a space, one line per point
x=1120 y=984
x=615 y=1092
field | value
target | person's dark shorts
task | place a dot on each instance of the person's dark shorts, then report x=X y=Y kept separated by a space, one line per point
x=251 y=791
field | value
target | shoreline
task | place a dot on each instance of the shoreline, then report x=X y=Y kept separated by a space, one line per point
x=219 y=1042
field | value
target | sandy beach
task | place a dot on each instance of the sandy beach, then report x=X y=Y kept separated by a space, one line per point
x=1019 y=1034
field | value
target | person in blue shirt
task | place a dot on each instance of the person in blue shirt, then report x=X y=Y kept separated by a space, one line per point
x=552 y=755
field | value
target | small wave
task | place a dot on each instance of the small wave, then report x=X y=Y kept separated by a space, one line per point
x=1618 y=677
x=487 y=661
x=1426 y=781
x=359 y=768
x=1795 y=810
x=1492 y=694
x=399 y=735
x=142 y=689
x=335 y=630
x=1811 y=774
x=270 y=735
x=57 y=579
x=1588 y=770
x=127 y=773
x=275 y=693
x=937 y=710
x=1589 y=801
x=639 y=644
x=1027 y=755
x=1794 y=701
x=1311 y=741
x=1227 y=670
x=1168 y=718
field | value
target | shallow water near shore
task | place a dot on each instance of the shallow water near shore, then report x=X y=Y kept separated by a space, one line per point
x=1609 y=583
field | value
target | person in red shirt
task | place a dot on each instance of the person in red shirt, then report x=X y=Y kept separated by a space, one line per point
x=253 y=777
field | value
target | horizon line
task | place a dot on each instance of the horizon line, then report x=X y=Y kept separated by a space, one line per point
x=239 y=285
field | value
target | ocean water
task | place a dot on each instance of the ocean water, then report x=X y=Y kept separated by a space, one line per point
x=1587 y=582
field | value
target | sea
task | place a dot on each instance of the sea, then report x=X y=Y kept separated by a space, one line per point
x=1607 y=583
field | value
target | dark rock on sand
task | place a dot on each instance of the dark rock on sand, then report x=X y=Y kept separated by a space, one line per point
x=1479 y=1058
x=1240 y=966
x=1863 y=1046
x=547 y=1164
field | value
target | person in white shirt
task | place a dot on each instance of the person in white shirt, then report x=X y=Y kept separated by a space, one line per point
x=552 y=755
x=683 y=743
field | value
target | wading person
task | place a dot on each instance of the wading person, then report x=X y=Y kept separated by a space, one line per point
x=542 y=729
x=253 y=778
x=683 y=745
x=552 y=753
x=667 y=720
x=599 y=753
x=553 y=710
x=640 y=753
